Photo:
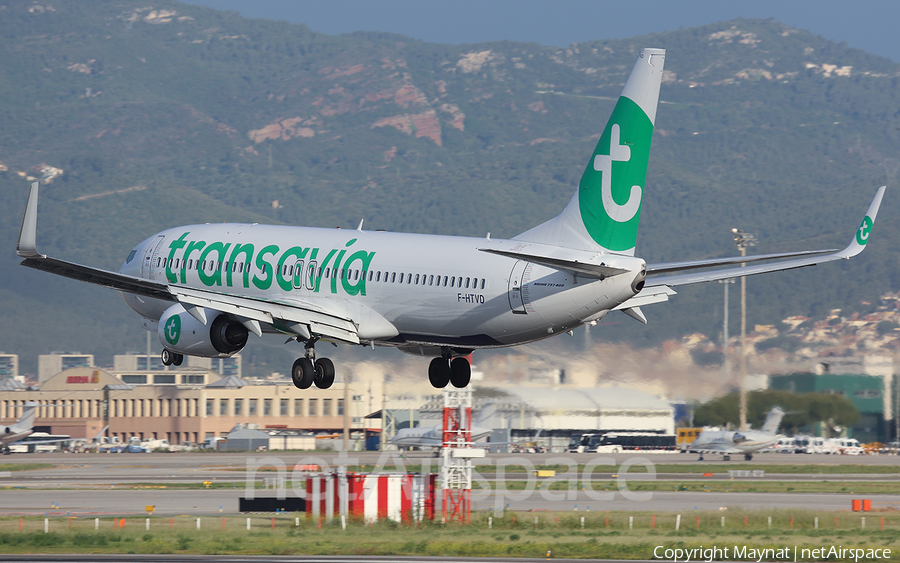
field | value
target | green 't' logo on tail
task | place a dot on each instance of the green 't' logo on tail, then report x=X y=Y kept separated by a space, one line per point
x=862 y=233
x=173 y=329
x=611 y=188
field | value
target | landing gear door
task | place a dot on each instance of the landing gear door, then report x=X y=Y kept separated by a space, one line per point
x=150 y=256
x=517 y=291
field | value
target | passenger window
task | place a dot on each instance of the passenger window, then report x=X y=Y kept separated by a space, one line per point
x=445 y=281
x=431 y=280
x=297 y=280
x=467 y=283
x=291 y=271
x=401 y=278
x=378 y=276
x=452 y=280
x=393 y=277
x=218 y=266
x=417 y=279
x=482 y=283
x=327 y=272
x=355 y=275
x=311 y=275
x=241 y=269
x=157 y=262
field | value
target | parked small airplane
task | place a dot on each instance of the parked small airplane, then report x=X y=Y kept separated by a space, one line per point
x=433 y=436
x=205 y=288
x=20 y=429
x=24 y=427
x=727 y=442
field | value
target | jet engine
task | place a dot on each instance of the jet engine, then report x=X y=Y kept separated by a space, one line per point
x=222 y=336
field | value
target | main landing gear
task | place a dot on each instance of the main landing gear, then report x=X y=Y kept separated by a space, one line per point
x=443 y=370
x=170 y=358
x=308 y=370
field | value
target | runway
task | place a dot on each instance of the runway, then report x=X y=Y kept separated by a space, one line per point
x=86 y=484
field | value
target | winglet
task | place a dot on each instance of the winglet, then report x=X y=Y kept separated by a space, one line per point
x=861 y=236
x=27 y=247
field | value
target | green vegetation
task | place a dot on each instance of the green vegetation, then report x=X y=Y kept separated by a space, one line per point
x=803 y=409
x=23 y=466
x=208 y=116
x=604 y=535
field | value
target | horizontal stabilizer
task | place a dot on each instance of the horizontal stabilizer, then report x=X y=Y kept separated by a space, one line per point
x=636 y=314
x=600 y=271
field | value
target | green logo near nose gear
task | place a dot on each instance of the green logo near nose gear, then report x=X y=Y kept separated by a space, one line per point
x=172 y=329
x=862 y=233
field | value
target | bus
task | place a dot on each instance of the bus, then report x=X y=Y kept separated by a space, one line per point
x=615 y=442
x=40 y=442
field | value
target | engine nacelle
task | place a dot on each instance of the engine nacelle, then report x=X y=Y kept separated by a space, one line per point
x=7 y=430
x=221 y=336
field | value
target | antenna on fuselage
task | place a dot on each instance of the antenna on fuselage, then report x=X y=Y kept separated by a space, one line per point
x=359 y=228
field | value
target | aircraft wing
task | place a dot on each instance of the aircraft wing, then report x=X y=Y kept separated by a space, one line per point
x=301 y=317
x=801 y=259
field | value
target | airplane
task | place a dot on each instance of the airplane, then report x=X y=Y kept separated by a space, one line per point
x=433 y=436
x=728 y=442
x=205 y=288
x=24 y=427
x=20 y=429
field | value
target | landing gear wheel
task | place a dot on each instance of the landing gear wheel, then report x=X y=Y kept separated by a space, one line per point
x=166 y=357
x=177 y=359
x=324 y=373
x=6 y=450
x=748 y=457
x=460 y=372
x=303 y=373
x=439 y=373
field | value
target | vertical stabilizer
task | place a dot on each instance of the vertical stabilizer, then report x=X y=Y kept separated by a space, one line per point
x=773 y=421
x=29 y=410
x=605 y=211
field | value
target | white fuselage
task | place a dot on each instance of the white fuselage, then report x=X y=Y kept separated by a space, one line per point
x=403 y=290
x=725 y=441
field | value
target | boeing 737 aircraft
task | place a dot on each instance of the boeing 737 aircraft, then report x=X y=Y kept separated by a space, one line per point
x=728 y=442
x=205 y=288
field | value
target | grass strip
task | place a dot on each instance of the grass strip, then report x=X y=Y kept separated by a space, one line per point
x=606 y=535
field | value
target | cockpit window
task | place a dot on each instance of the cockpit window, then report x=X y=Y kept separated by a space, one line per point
x=131 y=256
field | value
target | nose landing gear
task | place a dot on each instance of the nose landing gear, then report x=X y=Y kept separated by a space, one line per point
x=308 y=370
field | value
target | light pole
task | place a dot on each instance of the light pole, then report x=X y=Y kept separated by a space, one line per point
x=743 y=240
x=725 y=347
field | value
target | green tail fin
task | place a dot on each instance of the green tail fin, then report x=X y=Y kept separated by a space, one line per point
x=606 y=208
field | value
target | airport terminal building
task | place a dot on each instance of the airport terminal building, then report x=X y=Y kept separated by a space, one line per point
x=180 y=405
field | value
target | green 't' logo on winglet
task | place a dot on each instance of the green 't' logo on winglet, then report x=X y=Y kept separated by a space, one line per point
x=862 y=233
x=173 y=329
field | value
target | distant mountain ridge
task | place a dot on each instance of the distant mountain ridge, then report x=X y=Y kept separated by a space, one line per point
x=169 y=114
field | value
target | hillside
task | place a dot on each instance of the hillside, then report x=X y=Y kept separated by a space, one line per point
x=173 y=114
